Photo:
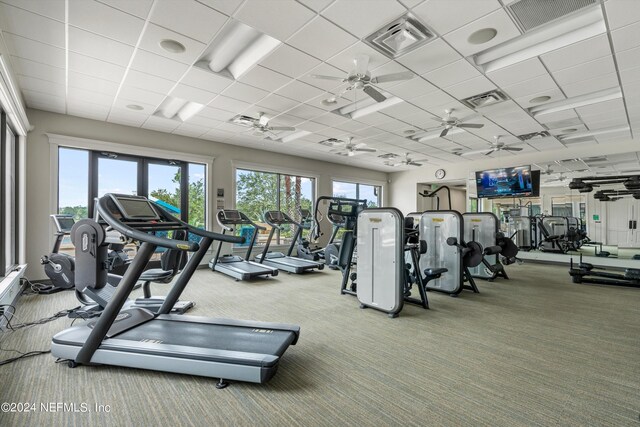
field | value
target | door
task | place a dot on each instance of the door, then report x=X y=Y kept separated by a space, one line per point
x=621 y=215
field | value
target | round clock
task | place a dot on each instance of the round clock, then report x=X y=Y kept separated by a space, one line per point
x=440 y=173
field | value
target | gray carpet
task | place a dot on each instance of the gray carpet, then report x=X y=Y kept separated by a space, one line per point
x=535 y=350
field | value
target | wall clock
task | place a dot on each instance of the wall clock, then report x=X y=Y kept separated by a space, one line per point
x=440 y=173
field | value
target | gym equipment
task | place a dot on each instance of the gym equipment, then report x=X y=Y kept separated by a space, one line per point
x=232 y=265
x=276 y=219
x=587 y=273
x=552 y=230
x=59 y=267
x=384 y=280
x=332 y=250
x=171 y=262
x=483 y=227
x=304 y=248
x=523 y=231
x=434 y=194
x=212 y=347
x=443 y=233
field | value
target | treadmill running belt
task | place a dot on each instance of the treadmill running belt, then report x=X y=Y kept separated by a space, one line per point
x=219 y=337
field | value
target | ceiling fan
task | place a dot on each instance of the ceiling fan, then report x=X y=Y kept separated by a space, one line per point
x=449 y=122
x=547 y=170
x=360 y=78
x=260 y=126
x=560 y=178
x=351 y=149
x=407 y=161
x=493 y=147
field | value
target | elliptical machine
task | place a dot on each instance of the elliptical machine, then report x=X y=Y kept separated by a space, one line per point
x=306 y=249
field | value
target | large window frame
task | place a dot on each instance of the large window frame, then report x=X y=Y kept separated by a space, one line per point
x=8 y=261
x=279 y=172
x=378 y=187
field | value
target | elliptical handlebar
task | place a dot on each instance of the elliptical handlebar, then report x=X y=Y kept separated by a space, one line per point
x=105 y=213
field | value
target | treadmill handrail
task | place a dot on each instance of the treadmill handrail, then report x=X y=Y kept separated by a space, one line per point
x=183 y=245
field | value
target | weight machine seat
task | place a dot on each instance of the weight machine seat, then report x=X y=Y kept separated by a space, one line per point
x=632 y=273
x=433 y=272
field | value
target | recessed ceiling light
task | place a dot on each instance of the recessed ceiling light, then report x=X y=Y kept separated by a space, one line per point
x=135 y=107
x=539 y=99
x=482 y=36
x=329 y=101
x=409 y=132
x=570 y=130
x=172 y=46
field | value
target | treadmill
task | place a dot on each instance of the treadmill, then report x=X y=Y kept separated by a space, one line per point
x=232 y=265
x=137 y=338
x=276 y=219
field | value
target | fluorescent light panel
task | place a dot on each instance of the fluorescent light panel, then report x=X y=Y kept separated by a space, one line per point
x=178 y=108
x=560 y=33
x=595 y=132
x=295 y=135
x=577 y=101
x=236 y=49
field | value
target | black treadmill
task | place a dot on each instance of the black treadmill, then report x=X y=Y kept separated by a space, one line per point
x=276 y=219
x=232 y=265
x=213 y=347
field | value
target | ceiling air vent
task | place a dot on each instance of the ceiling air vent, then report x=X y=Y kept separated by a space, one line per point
x=331 y=142
x=534 y=135
x=530 y=14
x=485 y=99
x=400 y=36
x=243 y=120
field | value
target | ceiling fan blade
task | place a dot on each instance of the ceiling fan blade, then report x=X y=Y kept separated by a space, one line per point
x=369 y=90
x=512 y=148
x=393 y=77
x=420 y=160
x=282 y=128
x=365 y=150
x=318 y=76
x=414 y=164
x=444 y=132
x=360 y=145
x=493 y=150
x=471 y=125
x=361 y=65
x=471 y=153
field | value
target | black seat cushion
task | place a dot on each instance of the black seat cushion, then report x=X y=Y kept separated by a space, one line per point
x=156 y=275
x=434 y=271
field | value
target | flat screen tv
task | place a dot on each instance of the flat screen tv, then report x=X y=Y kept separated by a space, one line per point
x=505 y=182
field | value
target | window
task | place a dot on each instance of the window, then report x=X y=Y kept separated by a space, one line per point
x=371 y=193
x=179 y=187
x=561 y=207
x=258 y=192
x=8 y=197
x=473 y=204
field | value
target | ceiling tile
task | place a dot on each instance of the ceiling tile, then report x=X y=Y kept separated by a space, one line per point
x=621 y=13
x=244 y=92
x=519 y=72
x=120 y=107
x=554 y=94
x=38 y=70
x=323 y=69
x=591 y=85
x=216 y=114
x=446 y=15
x=157 y=65
x=201 y=120
x=528 y=87
x=306 y=112
x=42 y=86
x=35 y=27
x=84 y=95
x=321 y=38
x=154 y=34
x=105 y=21
x=277 y=103
x=630 y=75
x=290 y=61
x=363 y=17
x=474 y=86
x=585 y=71
x=277 y=18
x=140 y=96
x=498 y=20
x=316 y=5
x=432 y=99
x=225 y=6
x=139 y=8
x=188 y=17
x=148 y=82
x=83 y=81
x=577 y=53
x=345 y=59
x=264 y=78
x=51 y=8
x=629 y=58
x=102 y=48
x=626 y=37
x=35 y=51
x=451 y=74
x=189 y=129
x=95 y=67
x=413 y=88
x=229 y=104
x=429 y=57
x=126 y=118
x=193 y=94
x=299 y=91
x=206 y=80
x=161 y=124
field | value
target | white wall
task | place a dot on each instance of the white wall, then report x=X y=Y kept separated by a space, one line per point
x=39 y=174
x=403 y=188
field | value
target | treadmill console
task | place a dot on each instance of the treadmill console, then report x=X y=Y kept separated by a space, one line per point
x=277 y=217
x=134 y=208
x=231 y=216
x=63 y=223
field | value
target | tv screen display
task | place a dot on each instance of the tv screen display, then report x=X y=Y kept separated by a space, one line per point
x=535 y=183
x=505 y=182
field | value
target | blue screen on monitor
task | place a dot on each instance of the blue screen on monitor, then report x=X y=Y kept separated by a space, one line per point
x=505 y=182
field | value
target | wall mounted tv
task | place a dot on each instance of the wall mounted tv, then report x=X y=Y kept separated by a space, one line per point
x=505 y=182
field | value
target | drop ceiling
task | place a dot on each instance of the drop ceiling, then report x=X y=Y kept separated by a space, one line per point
x=100 y=59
